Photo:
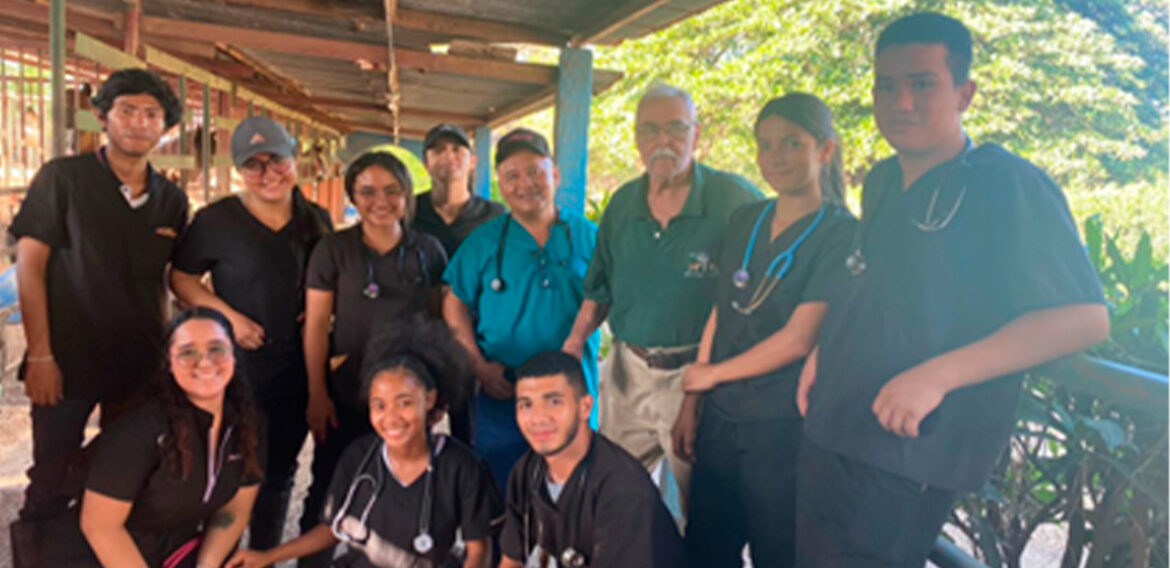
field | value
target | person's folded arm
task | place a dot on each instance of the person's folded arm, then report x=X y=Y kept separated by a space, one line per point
x=225 y=528
x=1033 y=338
x=103 y=522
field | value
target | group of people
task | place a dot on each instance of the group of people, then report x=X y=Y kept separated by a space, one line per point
x=819 y=387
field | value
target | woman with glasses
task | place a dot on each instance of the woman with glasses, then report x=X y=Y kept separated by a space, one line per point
x=172 y=483
x=256 y=246
x=379 y=271
x=777 y=261
x=401 y=496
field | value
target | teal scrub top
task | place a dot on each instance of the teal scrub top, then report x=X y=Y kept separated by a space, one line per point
x=543 y=289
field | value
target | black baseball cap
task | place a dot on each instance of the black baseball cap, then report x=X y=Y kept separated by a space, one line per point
x=521 y=139
x=447 y=130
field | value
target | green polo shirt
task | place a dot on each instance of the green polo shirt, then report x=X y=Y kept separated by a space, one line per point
x=660 y=283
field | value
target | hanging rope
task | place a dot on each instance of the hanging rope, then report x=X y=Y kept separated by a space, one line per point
x=394 y=94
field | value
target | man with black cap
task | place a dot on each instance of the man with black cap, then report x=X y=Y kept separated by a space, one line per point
x=450 y=211
x=94 y=236
x=521 y=274
x=256 y=246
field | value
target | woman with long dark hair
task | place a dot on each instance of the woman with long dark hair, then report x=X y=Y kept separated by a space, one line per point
x=379 y=271
x=779 y=257
x=172 y=483
x=401 y=496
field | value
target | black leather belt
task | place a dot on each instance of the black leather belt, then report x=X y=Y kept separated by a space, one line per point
x=665 y=361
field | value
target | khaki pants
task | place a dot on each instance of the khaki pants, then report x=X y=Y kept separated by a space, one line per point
x=638 y=408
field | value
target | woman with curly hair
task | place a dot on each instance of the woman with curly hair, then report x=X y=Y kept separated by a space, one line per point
x=402 y=497
x=172 y=483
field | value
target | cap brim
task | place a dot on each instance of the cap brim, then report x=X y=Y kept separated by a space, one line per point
x=275 y=149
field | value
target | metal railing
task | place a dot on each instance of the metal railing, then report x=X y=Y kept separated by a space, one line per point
x=1127 y=387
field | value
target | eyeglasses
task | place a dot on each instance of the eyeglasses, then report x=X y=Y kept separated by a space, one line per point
x=674 y=129
x=257 y=168
x=189 y=358
x=130 y=111
x=369 y=193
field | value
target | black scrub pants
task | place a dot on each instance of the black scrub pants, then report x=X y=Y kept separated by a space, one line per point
x=281 y=400
x=57 y=433
x=743 y=492
x=353 y=422
x=851 y=514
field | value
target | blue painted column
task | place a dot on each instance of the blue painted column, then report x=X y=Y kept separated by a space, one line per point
x=483 y=162
x=574 y=95
x=415 y=146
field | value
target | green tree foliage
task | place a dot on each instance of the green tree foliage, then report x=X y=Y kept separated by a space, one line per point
x=1077 y=86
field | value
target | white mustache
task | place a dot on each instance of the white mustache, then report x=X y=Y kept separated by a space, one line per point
x=664 y=153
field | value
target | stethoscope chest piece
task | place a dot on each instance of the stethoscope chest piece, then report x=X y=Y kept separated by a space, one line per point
x=572 y=559
x=423 y=543
x=371 y=291
x=740 y=278
x=856 y=264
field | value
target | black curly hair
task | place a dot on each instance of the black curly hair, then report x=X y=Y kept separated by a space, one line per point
x=426 y=348
x=180 y=441
x=136 y=82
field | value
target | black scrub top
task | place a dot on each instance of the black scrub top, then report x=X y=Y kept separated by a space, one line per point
x=464 y=499
x=408 y=277
x=477 y=212
x=105 y=274
x=816 y=263
x=1010 y=248
x=609 y=510
x=258 y=272
x=168 y=511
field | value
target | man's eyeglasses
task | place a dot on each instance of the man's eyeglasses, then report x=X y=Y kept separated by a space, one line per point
x=674 y=129
x=258 y=168
x=189 y=358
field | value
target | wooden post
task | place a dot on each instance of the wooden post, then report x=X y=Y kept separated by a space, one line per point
x=205 y=149
x=184 y=142
x=574 y=95
x=483 y=161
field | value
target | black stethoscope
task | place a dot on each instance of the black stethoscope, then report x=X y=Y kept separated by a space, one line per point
x=372 y=290
x=777 y=269
x=570 y=557
x=423 y=543
x=498 y=283
x=931 y=222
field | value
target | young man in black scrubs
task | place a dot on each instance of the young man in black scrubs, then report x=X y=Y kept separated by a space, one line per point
x=94 y=236
x=966 y=271
x=577 y=499
x=256 y=246
x=450 y=211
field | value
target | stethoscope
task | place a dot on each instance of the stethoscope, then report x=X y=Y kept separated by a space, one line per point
x=423 y=542
x=932 y=222
x=777 y=269
x=570 y=557
x=497 y=283
x=372 y=290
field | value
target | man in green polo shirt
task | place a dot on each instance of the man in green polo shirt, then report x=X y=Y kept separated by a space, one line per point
x=653 y=274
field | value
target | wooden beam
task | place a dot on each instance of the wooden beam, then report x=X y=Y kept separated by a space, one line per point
x=420 y=20
x=384 y=129
x=393 y=89
x=90 y=48
x=614 y=20
x=133 y=27
x=160 y=30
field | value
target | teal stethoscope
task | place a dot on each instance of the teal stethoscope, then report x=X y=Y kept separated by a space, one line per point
x=777 y=269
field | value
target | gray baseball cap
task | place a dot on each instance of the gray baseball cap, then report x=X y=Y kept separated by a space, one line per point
x=257 y=135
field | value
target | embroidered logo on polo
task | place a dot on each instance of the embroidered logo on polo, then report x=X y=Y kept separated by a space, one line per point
x=165 y=231
x=700 y=265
